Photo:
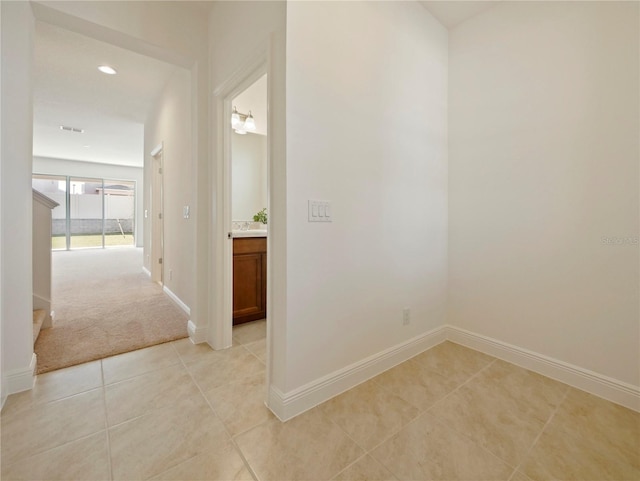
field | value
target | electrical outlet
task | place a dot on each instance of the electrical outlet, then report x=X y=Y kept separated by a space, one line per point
x=406 y=316
x=170 y=274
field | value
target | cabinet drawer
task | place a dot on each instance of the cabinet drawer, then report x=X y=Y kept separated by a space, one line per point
x=249 y=245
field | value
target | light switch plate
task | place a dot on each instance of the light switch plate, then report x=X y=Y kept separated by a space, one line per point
x=319 y=211
x=185 y=212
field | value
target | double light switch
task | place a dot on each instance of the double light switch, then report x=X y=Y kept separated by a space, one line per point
x=319 y=211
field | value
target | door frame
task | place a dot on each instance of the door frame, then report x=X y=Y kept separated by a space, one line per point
x=257 y=66
x=156 y=202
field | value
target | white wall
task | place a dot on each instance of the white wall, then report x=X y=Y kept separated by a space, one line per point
x=543 y=156
x=49 y=166
x=170 y=124
x=3 y=388
x=249 y=175
x=352 y=98
x=16 y=197
x=230 y=55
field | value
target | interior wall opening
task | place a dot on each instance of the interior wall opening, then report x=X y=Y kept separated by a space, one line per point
x=89 y=135
x=249 y=212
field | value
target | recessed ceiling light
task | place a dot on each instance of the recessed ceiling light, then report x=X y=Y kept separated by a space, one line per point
x=108 y=70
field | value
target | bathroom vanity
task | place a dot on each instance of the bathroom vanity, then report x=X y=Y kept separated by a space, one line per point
x=249 y=276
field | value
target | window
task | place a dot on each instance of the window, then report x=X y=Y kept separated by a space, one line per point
x=92 y=212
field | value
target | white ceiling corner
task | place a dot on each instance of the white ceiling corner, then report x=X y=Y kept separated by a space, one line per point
x=111 y=109
x=451 y=13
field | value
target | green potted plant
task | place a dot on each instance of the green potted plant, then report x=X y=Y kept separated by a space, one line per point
x=261 y=216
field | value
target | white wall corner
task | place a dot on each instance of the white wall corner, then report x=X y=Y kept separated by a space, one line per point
x=599 y=385
x=177 y=300
x=288 y=405
x=197 y=334
x=20 y=380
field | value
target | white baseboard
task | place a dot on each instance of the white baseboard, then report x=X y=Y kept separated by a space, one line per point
x=146 y=271
x=43 y=303
x=288 y=405
x=602 y=386
x=177 y=300
x=21 y=379
x=197 y=334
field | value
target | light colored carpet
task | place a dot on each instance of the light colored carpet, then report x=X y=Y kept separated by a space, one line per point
x=104 y=305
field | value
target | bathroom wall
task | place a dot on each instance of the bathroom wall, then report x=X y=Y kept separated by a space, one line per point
x=249 y=175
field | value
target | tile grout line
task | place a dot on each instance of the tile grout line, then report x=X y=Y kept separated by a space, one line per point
x=106 y=422
x=224 y=426
x=473 y=376
x=253 y=354
x=180 y=362
x=420 y=414
x=465 y=435
x=425 y=411
x=35 y=403
x=364 y=455
x=53 y=401
x=389 y=390
x=535 y=441
x=445 y=423
x=385 y=439
x=146 y=372
x=39 y=453
x=365 y=452
x=130 y=379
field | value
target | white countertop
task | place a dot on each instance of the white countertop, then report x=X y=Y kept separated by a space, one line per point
x=249 y=233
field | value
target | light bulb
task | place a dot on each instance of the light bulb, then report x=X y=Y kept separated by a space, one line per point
x=250 y=124
x=235 y=119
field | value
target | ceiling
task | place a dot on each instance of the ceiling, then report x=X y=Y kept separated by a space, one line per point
x=254 y=99
x=452 y=13
x=111 y=109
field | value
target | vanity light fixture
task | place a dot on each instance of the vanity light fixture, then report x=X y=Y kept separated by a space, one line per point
x=108 y=70
x=242 y=123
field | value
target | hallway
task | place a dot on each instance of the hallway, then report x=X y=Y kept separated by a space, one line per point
x=104 y=305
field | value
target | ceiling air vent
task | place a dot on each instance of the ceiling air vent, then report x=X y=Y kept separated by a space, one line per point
x=71 y=129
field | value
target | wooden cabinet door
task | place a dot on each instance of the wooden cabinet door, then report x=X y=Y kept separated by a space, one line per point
x=249 y=288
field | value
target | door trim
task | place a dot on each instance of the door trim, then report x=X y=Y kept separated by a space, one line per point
x=221 y=334
x=156 y=250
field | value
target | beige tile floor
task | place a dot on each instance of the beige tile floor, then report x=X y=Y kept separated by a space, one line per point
x=182 y=412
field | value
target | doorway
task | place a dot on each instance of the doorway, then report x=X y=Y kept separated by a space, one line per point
x=244 y=228
x=249 y=212
x=156 y=195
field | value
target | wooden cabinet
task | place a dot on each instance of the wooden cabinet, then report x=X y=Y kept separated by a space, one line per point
x=249 y=279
